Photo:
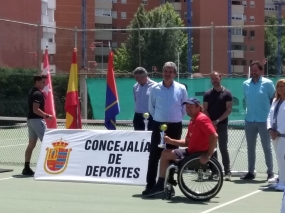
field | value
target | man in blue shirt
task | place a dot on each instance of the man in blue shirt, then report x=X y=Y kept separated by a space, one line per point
x=141 y=92
x=259 y=93
x=166 y=107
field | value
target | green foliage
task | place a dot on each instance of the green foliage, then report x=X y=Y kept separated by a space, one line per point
x=15 y=86
x=154 y=47
x=271 y=44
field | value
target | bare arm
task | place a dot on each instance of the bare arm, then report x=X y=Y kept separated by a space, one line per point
x=38 y=111
x=229 y=105
x=212 y=144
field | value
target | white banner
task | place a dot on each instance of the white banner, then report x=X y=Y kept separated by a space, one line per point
x=94 y=156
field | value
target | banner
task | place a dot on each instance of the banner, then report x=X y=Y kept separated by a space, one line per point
x=103 y=156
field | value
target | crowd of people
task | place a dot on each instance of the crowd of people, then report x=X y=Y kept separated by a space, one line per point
x=167 y=102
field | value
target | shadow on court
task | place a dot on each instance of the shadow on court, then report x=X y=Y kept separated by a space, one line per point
x=22 y=176
x=176 y=199
x=248 y=181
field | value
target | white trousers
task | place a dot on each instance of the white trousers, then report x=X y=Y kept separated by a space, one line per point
x=279 y=147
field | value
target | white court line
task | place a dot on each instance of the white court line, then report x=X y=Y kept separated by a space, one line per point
x=11 y=139
x=6 y=178
x=21 y=144
x=233 y=201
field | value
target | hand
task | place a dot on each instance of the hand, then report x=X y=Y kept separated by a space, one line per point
x=204 y=159
x=49 y=116
x=273 y=134
x=167 y=139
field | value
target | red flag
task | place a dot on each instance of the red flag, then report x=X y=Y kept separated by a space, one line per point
x=48 y=93
x=72 y=104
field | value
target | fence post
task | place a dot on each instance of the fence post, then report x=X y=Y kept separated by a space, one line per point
x=212 y=47
x=38 y=48
x=75 y=37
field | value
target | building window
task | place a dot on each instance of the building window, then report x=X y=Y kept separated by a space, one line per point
x=243 y=62
x=237 y=31
x=114 y=14
x=123 y=15
x=244 y=32
x=98 y=58
x=44 y=8
x=50 y=15
x=244 y=18
x=114 y=1
x=252 y=33
x=252 y=48
x=103 y=12
x=114 y=31
x=244 y=3
x=123 y=31
x=251 y=18
x=103 y=26
x=124 y=1
x=252 y=4
x=144 y=2
x=237 y=16
x=241 y=47
x=114 y=45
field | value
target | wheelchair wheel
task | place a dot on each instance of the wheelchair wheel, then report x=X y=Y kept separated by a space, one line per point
x=197 y=181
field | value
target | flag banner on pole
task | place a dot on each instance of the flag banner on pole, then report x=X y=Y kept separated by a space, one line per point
x=72 y=104
x=48 y=93
x=112 y=107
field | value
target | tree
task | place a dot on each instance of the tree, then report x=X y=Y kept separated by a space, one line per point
x=271 y=44
x=149 y=48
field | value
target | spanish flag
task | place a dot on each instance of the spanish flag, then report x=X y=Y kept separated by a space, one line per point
x=72 y=104
x=112 y=103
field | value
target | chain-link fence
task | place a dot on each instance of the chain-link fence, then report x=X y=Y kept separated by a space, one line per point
x=14 y=138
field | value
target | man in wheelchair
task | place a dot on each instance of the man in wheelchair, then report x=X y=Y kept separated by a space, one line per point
x=201 y=138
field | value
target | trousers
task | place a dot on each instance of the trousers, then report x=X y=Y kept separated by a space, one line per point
x=251 y=131
x=173 y=131
x=279 y=148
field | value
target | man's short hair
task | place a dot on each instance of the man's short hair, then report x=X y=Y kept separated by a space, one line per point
x=170 y=64
x=140 y=71
x=259 y=65
x=39 y=78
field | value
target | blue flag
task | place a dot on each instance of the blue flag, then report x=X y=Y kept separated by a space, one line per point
x=112 y=108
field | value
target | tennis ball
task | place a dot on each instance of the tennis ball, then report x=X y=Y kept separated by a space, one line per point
x=146 y=115
x=163 y=127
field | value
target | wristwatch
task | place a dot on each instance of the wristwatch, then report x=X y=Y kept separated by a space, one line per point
x=217 y=120
x=47 y=116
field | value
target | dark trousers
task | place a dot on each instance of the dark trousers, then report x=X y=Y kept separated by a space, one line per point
x=222 y=130
x=138 y=122
x=174 y=131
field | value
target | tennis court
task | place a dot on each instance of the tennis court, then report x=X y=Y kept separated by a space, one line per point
x=24 y=194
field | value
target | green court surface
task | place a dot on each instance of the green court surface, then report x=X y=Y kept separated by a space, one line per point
x=25 y=195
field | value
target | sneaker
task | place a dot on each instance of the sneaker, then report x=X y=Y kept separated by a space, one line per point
x=228 y=177
x=273 y=180
x=28 y=171
x=157 y=189
x=270 y=176
x=273 y=186
x=280 y=187
x=248 y=176
x=147 y=189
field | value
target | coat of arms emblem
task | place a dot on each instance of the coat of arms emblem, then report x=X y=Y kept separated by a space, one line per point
x=57 y=157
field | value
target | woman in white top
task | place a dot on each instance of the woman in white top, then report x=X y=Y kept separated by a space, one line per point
x=276 y=128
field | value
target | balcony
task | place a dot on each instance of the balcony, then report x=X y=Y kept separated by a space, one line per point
x=237 y=9
x=103 y=20
x=45 y=20
x=103 y=35
x=236 y=22
x=98 y=50
x=52 y=4
x=50 y=30
x=237 y=39
x=51 y=46
x=237 y=54
x=237 y=69
x=104 y=4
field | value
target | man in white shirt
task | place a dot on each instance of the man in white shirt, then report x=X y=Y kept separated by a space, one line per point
x=141 y=92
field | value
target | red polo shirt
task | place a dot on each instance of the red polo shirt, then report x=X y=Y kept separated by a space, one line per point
x=199 y=130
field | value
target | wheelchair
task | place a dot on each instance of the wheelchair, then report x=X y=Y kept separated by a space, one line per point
x=209 y=174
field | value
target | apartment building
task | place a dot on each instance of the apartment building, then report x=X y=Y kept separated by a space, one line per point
x=246 y=43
